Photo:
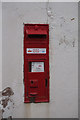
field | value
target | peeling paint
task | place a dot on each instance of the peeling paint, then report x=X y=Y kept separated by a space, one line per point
x=63 y=41
x=72 y=19
x=3 y=111
x=7 y=92
x=5 y=102
x=50 y=14
x=5 y=98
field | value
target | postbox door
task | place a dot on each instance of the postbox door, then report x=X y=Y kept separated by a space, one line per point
x=38 y=80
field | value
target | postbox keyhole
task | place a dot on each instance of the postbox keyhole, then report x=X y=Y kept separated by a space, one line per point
x=31 y=82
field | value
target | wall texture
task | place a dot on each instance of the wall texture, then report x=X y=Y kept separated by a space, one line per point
x=63 y=48
x=0 y=46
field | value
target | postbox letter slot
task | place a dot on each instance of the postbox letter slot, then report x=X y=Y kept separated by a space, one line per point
x=37 y=36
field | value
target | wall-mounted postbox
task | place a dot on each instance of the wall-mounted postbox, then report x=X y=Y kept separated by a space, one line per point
x=36 y=63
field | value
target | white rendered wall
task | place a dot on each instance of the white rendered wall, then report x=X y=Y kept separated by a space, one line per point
x=0 y=46
x=63 y=53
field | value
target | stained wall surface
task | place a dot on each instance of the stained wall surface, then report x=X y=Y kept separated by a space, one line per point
x=63 y=54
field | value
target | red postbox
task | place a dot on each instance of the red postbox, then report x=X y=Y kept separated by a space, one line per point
x=36 y=63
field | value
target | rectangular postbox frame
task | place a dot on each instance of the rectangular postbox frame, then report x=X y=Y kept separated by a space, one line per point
x=36 y=41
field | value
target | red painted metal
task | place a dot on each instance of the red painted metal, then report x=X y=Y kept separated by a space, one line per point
x=36 y=84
